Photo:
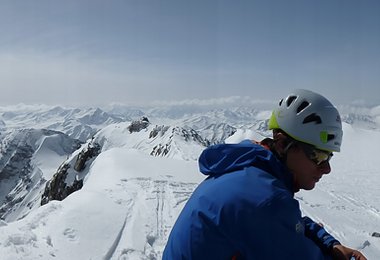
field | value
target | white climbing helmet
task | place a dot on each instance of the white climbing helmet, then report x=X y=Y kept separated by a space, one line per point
x=310 y=118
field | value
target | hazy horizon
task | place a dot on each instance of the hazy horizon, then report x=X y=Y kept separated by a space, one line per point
x=137 y=52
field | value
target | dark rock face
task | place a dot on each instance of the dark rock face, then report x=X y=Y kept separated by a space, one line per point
x=57 y=188
x=19 y=175
x=13 y=166
x=190 y=135
x=92 y=151
x=158 y=130
x=160 y=150
x=60 y=186
x=137 y=126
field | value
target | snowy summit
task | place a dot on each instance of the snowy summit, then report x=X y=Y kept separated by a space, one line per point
x=110 y=183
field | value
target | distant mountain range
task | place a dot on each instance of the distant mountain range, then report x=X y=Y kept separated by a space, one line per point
x=41 y=145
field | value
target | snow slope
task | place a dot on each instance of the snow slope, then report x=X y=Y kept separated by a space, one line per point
x=130 y=200
x=124 y=211
x=28 y=157
x=347 y=201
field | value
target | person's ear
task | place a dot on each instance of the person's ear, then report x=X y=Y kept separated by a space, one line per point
x=280 y=142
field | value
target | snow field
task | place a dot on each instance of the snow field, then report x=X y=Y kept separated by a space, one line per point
x=130 y=201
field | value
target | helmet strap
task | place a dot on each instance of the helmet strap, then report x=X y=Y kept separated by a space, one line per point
x=281 y=145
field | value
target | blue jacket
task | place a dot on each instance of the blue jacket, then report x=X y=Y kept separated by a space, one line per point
x=245 y=208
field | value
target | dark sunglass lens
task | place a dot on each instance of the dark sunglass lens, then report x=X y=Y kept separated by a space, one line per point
x=322 y=156
x=316 y=155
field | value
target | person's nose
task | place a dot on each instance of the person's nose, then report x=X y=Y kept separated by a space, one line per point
x=325 y=168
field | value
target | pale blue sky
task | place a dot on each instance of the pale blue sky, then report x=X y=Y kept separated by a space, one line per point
x=95 y=52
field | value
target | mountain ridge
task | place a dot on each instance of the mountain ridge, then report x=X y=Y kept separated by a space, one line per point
x=145 y=168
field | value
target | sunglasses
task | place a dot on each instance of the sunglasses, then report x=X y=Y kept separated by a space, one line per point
x=316 y=155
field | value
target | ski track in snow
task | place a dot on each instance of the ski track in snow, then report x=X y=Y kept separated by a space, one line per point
x=346 y=212
x=166 y=199
x=120 y=218
x=163 y=196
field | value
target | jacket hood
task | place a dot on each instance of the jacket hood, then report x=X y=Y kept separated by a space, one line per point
x=225 y=158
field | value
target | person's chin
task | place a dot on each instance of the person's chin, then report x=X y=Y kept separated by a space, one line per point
x=310 y=186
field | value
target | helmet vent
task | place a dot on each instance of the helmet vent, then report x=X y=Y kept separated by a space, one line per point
x=281 y=102
x=290 y=100
x=330 y=137
x=301 y=107
x=312 y=118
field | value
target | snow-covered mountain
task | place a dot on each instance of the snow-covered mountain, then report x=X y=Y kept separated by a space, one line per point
x=28 y=157
x=77 y=123
x=112 y=181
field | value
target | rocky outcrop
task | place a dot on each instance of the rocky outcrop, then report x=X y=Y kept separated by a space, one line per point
x=93 y=150
x=57 y=188
x=66 y=180
x=160 y=150
x=189 y=135
x=138 y=125
x=20 y=176
x=158 y=131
